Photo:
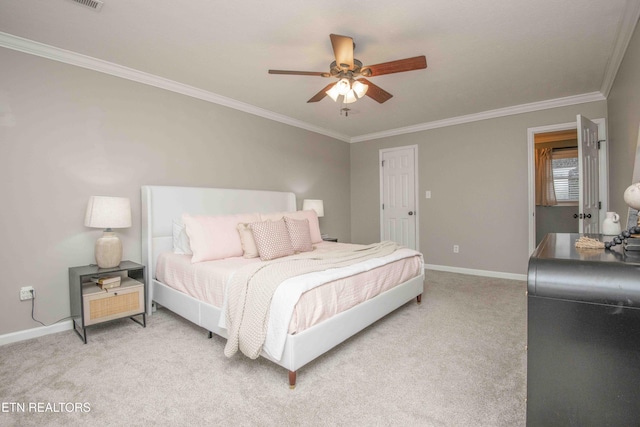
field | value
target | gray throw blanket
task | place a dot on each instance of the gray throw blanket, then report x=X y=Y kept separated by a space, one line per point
x=252 y=287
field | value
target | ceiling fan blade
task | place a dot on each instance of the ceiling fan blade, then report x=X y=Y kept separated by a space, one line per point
x=300 y=73
x=399 y=66
x=320 y=95
x=343 y=50
x=376 y=92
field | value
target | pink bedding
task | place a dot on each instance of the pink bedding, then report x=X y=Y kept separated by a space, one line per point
x=206 y=281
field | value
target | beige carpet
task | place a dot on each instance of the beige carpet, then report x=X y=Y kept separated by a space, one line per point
x=456 y=360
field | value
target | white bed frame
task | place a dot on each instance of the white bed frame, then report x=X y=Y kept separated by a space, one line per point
x=161 y=205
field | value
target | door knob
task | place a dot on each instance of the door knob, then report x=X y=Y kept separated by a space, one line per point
x=588 y=216
x=410 y=212
x=575 y=215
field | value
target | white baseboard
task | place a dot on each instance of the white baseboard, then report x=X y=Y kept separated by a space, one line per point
x=473 y=272
x=35 y=332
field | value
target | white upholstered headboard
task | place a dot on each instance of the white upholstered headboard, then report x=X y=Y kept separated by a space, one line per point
x=161 y=205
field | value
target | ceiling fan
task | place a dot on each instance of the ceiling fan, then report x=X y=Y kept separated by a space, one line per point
x=352 y=84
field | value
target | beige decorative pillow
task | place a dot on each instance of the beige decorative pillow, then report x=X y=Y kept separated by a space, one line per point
x=272 y=239
x=299 y=234
x=249 y=248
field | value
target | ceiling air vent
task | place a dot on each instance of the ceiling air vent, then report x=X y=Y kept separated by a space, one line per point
x=93 y=4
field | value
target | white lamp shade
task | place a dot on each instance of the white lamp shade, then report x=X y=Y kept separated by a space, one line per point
x=316 y=205
x=360 y=89
x=350 y=97
x=343 y=86
x=108 y=212
x=333 y=92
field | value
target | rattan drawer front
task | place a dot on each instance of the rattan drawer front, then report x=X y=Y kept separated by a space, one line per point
x=113 y=305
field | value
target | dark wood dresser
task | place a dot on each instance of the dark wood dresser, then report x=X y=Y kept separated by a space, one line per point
x=583 y=358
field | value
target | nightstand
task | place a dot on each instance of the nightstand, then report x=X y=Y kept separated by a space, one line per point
x=330 y=239
x=91 y=304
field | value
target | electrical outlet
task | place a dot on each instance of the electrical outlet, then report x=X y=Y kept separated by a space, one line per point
x=25 y=293
x=456 y=249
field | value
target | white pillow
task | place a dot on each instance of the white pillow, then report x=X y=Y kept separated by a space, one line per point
x=181 y=245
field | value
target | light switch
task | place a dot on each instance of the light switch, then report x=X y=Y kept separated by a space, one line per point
x=427 y=194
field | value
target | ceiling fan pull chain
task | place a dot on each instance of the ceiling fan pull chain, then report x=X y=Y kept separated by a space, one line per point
x=344 y=108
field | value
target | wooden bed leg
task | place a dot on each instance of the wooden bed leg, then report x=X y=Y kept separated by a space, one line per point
x=210 y=334
x=419 y=299
x=292 y=379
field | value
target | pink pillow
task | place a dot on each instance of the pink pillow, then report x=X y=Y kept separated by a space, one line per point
x=299 y=234
x=215 y=237
x=311 y=215
x=272 y=239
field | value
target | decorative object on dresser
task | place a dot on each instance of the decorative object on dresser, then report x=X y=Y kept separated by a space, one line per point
x=632 y=193
x=611 y=224
x=107 y=213
x=121 y=294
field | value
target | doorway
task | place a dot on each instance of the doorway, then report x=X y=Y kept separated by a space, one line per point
x=561 y=216
x=554 y=223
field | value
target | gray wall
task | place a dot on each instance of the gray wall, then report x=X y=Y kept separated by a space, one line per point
x=478 y=175
x=623 y=105
x=79 y=133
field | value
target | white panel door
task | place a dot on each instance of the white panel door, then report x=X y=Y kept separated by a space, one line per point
x=589 y=199
x=399 y=196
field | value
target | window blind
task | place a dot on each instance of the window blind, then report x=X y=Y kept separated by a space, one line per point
x=566 y=175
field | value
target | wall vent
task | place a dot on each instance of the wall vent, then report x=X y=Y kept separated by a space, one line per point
x=93 y=4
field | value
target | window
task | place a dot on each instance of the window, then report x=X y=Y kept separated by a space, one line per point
x=565 y=175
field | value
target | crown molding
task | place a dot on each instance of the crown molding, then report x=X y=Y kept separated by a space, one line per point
x=625 y=32
x=61 y=55
x=31 y=47
x=490 y=114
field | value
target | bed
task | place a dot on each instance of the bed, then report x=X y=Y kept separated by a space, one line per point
x=162 y=205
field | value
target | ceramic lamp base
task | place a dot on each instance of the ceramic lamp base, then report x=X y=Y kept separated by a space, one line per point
x=108 y=250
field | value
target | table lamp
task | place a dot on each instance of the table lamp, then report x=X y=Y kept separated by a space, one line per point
x=107 y=213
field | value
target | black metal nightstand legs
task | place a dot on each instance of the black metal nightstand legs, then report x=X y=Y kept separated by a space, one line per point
x=83 y=335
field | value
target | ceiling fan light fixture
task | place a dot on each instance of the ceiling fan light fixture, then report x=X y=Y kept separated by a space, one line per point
x=350 y=97
x=360 y=89
x=333 y=92
x=344 y=86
